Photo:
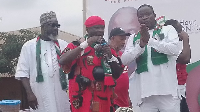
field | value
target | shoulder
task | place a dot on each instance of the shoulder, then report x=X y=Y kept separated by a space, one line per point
x=170 y=32
x=29 y=45
x=62 y=41
x=30 y=42
x=120 y=53
x=71 y=46
x=113 y=52
x=168 y=28
x=63 y=44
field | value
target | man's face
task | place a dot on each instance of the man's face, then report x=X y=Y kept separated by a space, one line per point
x=97 y=30
x=146 y=16
x=51 y=29
x=119 y=41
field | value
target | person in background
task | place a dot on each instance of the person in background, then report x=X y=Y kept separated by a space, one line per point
x=125 y=18
x=117 y=41
x=183 y=59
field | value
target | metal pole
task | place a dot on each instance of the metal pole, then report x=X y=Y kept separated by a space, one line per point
x=84 y=16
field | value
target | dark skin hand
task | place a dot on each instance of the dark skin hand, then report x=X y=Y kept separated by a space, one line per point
x=185 y=55
x=32 y=100
x=68 y=57
x=130 y=103
x=144 y=35
x=115 y=67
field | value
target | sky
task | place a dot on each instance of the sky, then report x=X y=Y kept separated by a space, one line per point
x=22 y=14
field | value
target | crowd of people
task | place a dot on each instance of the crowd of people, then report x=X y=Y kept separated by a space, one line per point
x=98 y=70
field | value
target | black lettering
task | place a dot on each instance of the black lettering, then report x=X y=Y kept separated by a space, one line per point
x=182 y=22
x=183 y=29
x=186 y=22
x=190 y=22
x=188 y=28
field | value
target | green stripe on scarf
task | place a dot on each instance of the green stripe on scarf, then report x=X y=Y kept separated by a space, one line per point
x=156 y=57
x=39 y=77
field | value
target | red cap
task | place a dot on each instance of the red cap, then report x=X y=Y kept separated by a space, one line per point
x=94 y=20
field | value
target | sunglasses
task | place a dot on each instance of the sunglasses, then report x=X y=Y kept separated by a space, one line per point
x=54 y=25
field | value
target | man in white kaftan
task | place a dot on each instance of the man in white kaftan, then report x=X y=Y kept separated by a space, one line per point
x=49 y=94
x=157 y=88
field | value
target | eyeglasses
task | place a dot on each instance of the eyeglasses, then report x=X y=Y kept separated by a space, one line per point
x=53 y=25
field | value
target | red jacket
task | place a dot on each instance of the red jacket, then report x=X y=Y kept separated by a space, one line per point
x=181 y=73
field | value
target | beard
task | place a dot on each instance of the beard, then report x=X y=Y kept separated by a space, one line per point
x=52 y=37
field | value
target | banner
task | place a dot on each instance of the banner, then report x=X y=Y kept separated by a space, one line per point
x=122 y=13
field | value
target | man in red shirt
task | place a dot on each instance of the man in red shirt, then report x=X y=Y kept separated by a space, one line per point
x=117 y=41
x=93 y=88
x=72 y=70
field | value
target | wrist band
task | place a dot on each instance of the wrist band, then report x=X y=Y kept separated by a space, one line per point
x=113 y=59
x=83 y=45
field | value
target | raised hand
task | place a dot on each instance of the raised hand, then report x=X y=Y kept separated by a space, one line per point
x=144 y=35
x=107 y=51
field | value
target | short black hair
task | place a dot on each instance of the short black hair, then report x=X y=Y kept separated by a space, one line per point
x=171 y=22
x=145 y=5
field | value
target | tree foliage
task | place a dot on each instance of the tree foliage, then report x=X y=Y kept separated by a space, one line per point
x=11 y=47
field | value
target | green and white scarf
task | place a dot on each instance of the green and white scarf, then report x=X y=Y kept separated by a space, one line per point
x=156 y=57
x=39 y=77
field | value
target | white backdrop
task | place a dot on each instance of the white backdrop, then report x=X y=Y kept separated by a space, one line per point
x=185 y=11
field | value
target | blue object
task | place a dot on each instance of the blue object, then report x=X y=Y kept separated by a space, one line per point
x=104 y=43
x=10 y=102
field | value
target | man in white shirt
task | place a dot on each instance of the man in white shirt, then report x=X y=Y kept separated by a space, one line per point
x=155 y=49
x=39 y=70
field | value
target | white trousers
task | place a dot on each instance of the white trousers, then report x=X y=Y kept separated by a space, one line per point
x=161 y=103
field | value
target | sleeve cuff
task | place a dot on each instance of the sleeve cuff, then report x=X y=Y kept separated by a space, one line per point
x=19 y=75
x=84 y=45
x=113 y=59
